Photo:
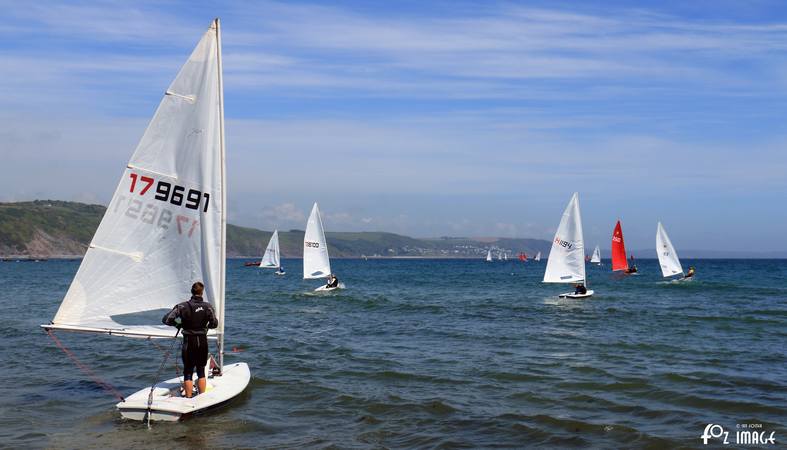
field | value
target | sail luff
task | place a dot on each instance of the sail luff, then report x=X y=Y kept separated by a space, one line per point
x=223 y=252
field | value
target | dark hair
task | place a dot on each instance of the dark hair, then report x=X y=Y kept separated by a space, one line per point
x=197 y=288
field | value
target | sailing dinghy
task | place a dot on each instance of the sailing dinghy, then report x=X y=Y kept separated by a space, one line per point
x=489 y=256
x=619 y=261
x=668 y=257
x=164 y=229
x=566 y=262
x=538 y=257
x=272 y=257
x=316 y=263
x=596 y=258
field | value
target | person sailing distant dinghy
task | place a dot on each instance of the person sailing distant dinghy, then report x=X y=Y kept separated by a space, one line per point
x=332 y=281
x=193 y=318
x=580 y=289
x=690 y=273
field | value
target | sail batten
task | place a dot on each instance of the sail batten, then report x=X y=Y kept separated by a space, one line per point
x=566 y=262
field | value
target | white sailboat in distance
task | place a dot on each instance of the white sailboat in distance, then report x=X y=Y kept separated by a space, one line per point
x=596 y=258
x=668 y=257
x=566 y=263
x=316 y=263
x=538 y=257
x=489 y=256
x=272 y=257
x=164 y=229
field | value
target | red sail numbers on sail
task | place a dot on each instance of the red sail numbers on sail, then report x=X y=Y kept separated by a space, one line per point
x=618 y=250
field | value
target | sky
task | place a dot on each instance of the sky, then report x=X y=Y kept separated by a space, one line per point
x=445 y=118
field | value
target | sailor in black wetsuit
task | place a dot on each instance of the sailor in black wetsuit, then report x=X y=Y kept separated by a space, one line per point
x=193 y=317
x=580 y=289
x=332 y=281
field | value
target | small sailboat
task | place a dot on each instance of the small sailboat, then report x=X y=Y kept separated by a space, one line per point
x=538 y=257
x=164 y=229
x=596 y=258
x=523 y=257
x=489 y=256
x=272 y=257
x=668 y=257
x=566 y=262
x=499 y=256
x=619 y=261
x=505 y=256
x=316 y=263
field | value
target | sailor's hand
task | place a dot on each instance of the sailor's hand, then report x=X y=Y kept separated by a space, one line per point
x=178 y=322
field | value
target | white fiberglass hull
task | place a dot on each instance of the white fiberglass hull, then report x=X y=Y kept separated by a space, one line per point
x=573 y=295
x=168 y=405
x=325 y=288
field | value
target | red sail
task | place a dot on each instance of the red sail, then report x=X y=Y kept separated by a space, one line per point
x=523 y=257
x=618 y=250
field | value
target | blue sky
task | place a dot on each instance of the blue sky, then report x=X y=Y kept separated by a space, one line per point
x=427 y=118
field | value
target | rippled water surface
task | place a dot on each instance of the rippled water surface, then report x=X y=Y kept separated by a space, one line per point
x=427 y=353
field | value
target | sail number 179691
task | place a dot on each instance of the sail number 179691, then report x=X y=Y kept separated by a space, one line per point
x=170 y=193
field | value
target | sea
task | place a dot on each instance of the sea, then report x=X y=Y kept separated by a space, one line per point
x=425 y=353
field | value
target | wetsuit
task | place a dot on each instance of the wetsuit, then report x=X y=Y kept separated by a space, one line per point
x=196 y=316
x=581 y=290
x=333 y=283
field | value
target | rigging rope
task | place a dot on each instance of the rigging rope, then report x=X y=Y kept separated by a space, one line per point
x=85 y=368
x=158 y=372
x=163 y=351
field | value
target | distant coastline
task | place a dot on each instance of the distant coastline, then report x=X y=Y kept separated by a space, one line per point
x=53 y=229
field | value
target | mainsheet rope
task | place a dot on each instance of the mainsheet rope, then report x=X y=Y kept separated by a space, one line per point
x=158 y=373
x=108 y=387
x=164 y=351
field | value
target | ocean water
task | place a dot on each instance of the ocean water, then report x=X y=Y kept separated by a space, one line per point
x=427 y=354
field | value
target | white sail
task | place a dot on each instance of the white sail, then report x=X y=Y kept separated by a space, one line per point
x=505 y=256
x=165 y=226
x=596 y=258
x=271 y=258
x=566 y=263
x=316 y=263
x=668 y=257
x=538 y=256
x=489 y=255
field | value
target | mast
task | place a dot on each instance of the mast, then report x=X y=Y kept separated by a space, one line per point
x=223 y=253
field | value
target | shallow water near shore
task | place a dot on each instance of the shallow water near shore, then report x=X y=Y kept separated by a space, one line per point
x=427 y=353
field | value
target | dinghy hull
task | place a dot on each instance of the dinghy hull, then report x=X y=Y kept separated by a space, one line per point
x=325 y=288
x=169 y=406
x=573 y=295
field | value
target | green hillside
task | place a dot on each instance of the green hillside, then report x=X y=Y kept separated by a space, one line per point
x=47 y=228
